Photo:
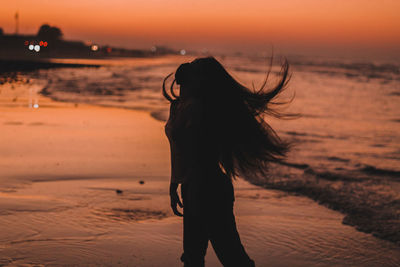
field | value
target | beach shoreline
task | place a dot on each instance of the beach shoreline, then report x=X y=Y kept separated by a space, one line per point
x=370 y=206
x=71 y=194
x=12 y=66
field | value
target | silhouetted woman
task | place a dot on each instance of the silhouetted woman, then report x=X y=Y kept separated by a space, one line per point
x=216 y=132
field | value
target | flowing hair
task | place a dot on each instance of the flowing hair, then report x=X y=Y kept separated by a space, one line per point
x=234 y=115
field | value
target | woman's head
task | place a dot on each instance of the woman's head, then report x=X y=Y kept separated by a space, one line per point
x=187 y=77
x=201 y=78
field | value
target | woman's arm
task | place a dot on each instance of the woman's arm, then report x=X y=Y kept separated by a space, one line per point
x=184 y=125
x=176 y=179
x=177 y=171
x=176 y=160
x=175 y=200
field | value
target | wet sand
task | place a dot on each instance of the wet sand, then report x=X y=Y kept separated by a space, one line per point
x=61 y=166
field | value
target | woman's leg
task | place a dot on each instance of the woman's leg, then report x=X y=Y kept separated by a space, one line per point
x=222 y=229
x=208 y=215
x=195 y=241
x=225 y=240
x=195 y=237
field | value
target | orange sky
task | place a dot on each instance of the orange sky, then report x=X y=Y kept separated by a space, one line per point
x=294 y=24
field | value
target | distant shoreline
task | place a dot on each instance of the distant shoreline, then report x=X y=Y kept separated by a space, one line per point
x=8 y=66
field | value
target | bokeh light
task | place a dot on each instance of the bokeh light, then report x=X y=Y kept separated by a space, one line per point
x=94 y=47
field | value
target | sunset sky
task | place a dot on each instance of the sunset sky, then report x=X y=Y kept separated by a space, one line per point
x=368 y=26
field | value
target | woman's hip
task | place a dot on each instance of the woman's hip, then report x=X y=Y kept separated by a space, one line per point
x=208 y=191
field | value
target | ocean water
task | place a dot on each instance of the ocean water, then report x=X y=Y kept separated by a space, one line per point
x=350 y=109
x=347 y=133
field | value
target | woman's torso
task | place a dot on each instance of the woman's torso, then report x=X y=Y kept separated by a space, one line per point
x=192 y=141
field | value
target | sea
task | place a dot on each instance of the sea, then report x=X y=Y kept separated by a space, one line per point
x=349 y=109
x=346 y=137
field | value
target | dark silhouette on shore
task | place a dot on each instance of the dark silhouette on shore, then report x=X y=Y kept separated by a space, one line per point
x=49 y=43
x=216 y=132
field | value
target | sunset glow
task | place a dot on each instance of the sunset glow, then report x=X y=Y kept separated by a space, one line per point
x=270 y=126
x=126 y=23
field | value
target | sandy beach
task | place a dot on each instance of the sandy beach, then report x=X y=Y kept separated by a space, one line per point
x=85 y=185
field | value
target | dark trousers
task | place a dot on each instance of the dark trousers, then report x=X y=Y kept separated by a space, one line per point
x=208 y=215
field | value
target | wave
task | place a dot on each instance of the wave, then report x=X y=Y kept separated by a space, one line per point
x=372 y=170
x=357 y=173
x=334 y=67
x=160 y=115
x=122 y=214
x=369 y=204
x=295 y=165
x=337 y=159
x=367 y=67
x=332 y=176
x=294 y=133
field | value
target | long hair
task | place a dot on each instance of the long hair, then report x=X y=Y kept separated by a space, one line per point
x=234 y=115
